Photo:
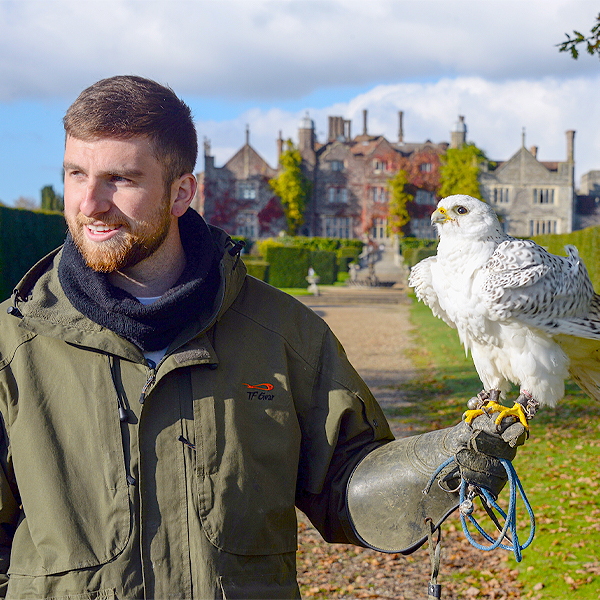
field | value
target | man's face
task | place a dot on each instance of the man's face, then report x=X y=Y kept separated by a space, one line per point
x=116 y=205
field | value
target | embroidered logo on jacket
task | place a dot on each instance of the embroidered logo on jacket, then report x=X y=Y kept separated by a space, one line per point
x=258 y=391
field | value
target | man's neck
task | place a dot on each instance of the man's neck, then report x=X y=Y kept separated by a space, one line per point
x=156 y=274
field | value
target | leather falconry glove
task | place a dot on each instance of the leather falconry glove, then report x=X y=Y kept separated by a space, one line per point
x=390 y=494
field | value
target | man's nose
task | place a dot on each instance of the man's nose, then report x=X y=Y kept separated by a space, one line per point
x=96 y=198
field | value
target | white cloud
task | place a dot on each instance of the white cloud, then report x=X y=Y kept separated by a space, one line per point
x=496 y=62
x=261 y=49
x=495 y=112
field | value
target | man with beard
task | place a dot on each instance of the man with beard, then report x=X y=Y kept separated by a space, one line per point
x=162 y=413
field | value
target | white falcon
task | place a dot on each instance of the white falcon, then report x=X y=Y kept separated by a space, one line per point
x=528 y=317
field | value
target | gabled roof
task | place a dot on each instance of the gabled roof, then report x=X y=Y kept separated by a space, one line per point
x=248 y=157
x=513 y=165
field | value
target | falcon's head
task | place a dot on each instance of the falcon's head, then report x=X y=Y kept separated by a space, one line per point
x=465 y=215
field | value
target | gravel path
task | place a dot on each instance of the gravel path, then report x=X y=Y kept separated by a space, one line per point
x=376 y=337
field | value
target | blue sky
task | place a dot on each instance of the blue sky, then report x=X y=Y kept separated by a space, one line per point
x=265 y=63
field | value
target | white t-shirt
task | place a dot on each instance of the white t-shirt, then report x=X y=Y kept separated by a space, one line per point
x=156 y=355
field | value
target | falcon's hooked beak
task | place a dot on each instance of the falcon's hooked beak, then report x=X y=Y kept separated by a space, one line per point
x=440 y=215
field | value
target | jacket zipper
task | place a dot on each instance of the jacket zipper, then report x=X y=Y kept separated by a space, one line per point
x=151 y=379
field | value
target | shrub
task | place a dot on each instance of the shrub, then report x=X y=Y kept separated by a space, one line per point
x=327 y=256
x=25 y=237
x=324 y=263
x=345 y=256
x=288 y=266
x=257 y=268
x=587 y=242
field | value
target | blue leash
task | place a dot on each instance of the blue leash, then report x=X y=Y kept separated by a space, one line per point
x=510 y=517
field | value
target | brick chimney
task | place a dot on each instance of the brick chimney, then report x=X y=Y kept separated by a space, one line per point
x=400 y=127
x=570 y=146
x=533 y=151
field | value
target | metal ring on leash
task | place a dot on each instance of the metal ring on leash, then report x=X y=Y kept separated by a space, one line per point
x=510 y=517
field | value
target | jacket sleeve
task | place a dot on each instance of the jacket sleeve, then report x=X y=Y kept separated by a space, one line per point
x=9 y=506
x=341 y=423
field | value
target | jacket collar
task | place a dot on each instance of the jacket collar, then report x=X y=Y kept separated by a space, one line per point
x=44 y=309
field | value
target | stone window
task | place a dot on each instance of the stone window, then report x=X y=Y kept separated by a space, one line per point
x=424 y=197
x=422 y=228
x=337 y=227
x=337 y=194
x=500 y=195
x=247 y=224
x=246 y=190
x=379 y=229
x=379 y=165
x=379 y=195
x=425 y=167
x=543 y=196
x=541 y=227
x=337 y=165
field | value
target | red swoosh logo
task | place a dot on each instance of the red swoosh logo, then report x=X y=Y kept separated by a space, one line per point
x=267 y=387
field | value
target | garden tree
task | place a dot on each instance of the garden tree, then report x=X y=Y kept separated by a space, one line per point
x=459 y=170
x=398 y=215
x=51 y=200
x=591 y=42
x=292 y=187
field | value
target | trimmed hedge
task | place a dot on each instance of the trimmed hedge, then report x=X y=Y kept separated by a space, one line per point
x=257 y=268
x=345 y=256
x=327 y=256
x=25 y=237
x=288 y=266
x=324 y=262
x=587 y=241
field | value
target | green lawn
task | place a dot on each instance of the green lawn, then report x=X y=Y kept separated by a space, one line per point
x=558 y=466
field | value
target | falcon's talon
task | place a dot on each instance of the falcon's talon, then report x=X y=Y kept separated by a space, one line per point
x=516 y=411
x=469 y=415
x=489 y=407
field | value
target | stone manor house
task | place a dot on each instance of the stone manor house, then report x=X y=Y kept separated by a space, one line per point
x=350 y=195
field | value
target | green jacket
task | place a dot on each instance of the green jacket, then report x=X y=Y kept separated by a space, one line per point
x=248 y=414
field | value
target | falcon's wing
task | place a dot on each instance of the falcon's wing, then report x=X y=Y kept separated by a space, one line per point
x=421 y=279
x=524 y=282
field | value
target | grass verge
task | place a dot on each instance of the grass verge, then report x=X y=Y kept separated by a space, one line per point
x=558 y=467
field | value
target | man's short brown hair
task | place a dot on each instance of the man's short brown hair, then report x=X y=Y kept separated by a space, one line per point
x=127 y=106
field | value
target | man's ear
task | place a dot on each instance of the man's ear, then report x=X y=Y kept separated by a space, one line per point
x=183 y=191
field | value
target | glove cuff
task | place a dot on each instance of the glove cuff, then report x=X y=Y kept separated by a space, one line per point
x=386 y=502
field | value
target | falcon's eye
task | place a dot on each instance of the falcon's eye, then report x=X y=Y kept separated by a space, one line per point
x=461 y=210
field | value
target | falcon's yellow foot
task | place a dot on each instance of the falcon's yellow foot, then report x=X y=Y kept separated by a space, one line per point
x=477 y=404
x=516 y=411
x=472 y=414
x=490 y=407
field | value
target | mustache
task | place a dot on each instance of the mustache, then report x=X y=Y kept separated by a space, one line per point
x=110 y=220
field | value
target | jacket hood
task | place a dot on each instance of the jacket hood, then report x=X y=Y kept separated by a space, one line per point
x=41 y=305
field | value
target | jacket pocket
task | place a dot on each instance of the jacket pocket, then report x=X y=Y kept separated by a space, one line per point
x=107 y=594
x=248 y=441
x=69 y=463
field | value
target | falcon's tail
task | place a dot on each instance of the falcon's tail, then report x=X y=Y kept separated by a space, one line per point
x=584 y=356
x=588 y=380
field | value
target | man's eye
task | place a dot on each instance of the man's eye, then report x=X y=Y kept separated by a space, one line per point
x=461 y=210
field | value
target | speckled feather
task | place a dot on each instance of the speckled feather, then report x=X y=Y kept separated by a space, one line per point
x=527 y=316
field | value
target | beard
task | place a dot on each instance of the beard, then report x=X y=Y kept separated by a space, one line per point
x=135 y=241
